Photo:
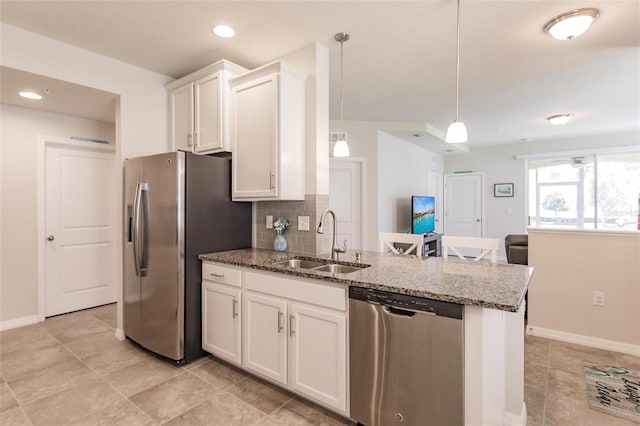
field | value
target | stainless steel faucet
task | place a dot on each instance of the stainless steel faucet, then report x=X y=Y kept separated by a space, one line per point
x=335 y=249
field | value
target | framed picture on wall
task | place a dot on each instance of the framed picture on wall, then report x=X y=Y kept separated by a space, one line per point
x=503 y=190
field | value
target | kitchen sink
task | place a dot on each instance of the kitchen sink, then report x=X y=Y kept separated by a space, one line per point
x=321 y=265
x=300 y=263
x=339 y=269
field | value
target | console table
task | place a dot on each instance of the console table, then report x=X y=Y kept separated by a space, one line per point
x=432 y=245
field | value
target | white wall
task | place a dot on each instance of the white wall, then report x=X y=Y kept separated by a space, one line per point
x=314 y=60
x=403 y=171
x=569 y=265
x=21 y=128
x=505 y=216
x=141 y=115
x=363 y=138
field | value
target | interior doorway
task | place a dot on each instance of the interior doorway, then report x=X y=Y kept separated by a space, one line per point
x=347 y=200
x=78 y=230
x=464 y=206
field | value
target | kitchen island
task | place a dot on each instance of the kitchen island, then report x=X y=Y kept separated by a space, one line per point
x=493 y=299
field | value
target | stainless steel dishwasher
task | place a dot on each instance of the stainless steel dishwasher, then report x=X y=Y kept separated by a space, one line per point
x=406 y=360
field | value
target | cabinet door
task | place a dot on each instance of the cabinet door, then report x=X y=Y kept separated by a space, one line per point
x=265 y=336
x=221 y=313
x=254 y=136
x=181 y=117
x=208 y=114
x=317 y=354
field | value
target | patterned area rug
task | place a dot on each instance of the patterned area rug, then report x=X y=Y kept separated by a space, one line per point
x=613 y=390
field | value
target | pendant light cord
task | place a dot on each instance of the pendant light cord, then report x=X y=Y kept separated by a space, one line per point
x=458 y=61
x=341 y=85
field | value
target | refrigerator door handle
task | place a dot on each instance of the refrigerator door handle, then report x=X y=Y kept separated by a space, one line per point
x=136 y=226
x=143 y=229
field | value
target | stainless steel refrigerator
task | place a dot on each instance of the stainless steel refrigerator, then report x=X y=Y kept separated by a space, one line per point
x=177 y=205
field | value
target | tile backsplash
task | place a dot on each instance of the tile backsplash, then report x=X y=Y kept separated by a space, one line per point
x=308 y=242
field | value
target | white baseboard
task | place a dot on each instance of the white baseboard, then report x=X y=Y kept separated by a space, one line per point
x=18 y=322
x=595 y=342
x=510 y=419
x=120 y=334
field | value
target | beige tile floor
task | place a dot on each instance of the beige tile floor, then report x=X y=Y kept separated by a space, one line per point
x=555 y=390
x=71 y=370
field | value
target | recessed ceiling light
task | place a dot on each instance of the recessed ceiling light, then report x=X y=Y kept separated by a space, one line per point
x=223 y=31
x=571 y=24
x=30 y=95
x=559 y=119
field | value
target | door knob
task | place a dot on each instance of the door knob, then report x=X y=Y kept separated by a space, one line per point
x=51 y=238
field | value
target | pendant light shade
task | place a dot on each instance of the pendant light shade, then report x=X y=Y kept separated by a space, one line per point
x=457 y=132
x=341 y=148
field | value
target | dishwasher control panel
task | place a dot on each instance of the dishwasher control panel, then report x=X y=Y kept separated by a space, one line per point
x=403 y=301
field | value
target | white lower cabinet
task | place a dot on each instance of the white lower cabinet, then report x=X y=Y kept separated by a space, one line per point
x=317 y=354
x=265 y=336
x=293 y=332
x=221 y=314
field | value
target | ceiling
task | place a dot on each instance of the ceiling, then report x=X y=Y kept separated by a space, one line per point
x=399 y=64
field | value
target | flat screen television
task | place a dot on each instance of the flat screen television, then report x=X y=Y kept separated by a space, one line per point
x=423 y=214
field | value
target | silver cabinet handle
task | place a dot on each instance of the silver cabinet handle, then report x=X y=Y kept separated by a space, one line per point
x=272 y=181
x=235 y=308
x=51 y=238
x=280 y=326
x=196 y=139
x=217 y=275
x=291 y=330
x=189 y=140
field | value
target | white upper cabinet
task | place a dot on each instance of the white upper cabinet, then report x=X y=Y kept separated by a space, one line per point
x=199 y=106
x=268 y=133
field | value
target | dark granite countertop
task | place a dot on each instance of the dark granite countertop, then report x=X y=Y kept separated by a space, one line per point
x=497 y=286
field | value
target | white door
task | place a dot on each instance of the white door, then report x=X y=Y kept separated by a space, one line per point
x=463 y=205
x=264 y=332
x=434 y=188
x=317 y=354
x=181 y=117
x=79 y=227
x=254 y=134
x=346 y=200
x=207 y=114
x=221 y=315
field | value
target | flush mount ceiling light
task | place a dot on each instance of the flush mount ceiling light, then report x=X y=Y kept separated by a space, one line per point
x=30 y=95
x=559 y=119
x=570 y=25
x=224 y=31
x=457 y=132
x=341 y=149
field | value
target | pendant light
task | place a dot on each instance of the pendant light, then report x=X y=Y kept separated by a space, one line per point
x=457 y=132
x=341 y=149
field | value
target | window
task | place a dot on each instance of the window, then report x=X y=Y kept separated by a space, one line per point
x=590 y=191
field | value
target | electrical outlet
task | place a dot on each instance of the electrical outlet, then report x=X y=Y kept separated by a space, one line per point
x=598 y=298
x=269 y=222
x=303 y=223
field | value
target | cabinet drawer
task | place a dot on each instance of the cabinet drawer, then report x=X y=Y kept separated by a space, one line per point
x=221 y=274
x=304 y=291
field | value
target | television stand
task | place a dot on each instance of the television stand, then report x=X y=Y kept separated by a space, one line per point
x=432 y=244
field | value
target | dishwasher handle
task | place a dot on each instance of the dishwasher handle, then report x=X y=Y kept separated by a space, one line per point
x=390 y=310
